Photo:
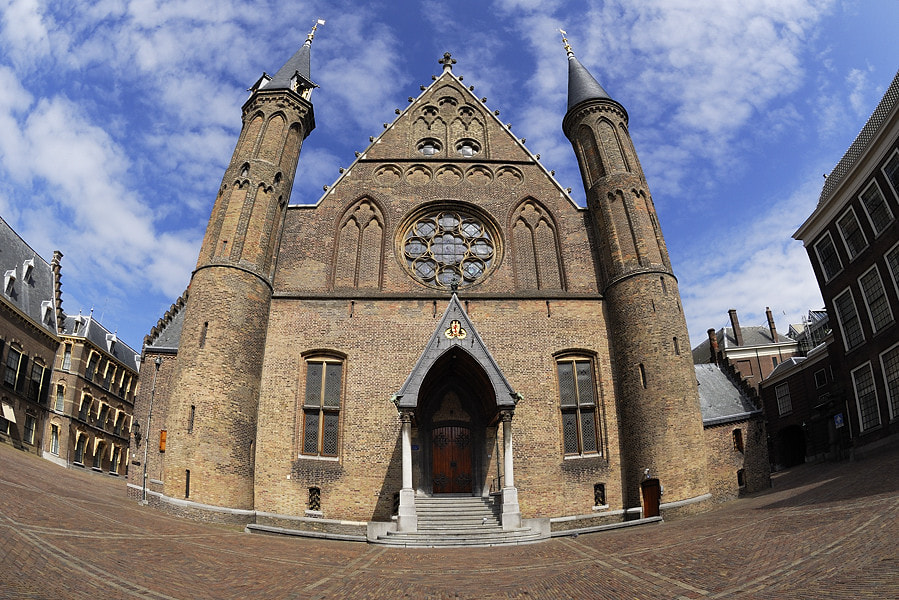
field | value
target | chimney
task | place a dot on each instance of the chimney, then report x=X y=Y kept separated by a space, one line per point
x=713 y=347
x=735 y=323
x=771 y=325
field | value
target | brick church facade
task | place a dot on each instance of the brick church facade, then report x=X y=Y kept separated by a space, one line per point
x=445 y=320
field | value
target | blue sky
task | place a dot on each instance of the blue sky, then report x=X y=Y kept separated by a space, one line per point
x=118 y=118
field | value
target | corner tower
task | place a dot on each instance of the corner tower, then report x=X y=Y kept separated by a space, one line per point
x=212 y=411
x=655 y=383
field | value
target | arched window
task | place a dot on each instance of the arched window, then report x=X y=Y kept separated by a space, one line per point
x=577 y=401
x=321 y=407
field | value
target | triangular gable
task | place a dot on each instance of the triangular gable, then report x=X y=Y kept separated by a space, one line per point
x=385 y=146
x=456 y=331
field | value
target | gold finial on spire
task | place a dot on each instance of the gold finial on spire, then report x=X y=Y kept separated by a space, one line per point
x=314 y=27
x=565 y=42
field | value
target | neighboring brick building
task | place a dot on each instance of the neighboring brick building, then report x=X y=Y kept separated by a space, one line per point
x=852 y=239
x=28 y=340
x=753 y=351
x=735 y=433
x=335 y=363
x=95 y=377
x=804 y=410
x=68 y=382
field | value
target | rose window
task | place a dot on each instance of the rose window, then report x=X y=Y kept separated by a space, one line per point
x=448 y=249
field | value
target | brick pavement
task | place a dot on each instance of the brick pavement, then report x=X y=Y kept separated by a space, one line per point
x=823 y=531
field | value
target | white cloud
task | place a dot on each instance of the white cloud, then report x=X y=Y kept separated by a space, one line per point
x=749 y=266
x=24 y=32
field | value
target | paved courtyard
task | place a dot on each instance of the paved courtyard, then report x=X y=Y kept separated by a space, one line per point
x=822 y=531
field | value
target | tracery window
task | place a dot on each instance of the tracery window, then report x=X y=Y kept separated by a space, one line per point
x=321 y=407
x=448 y=248
x=577 y=399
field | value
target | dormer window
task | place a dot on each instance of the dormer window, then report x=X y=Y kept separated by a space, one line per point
x=111 y=339
x=27 y=268
x=47 y=312
x=9 y=278
x=76 y=325
x=467 y=148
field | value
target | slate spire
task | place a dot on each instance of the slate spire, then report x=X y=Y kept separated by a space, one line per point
x=296 y=73
x=581 y=84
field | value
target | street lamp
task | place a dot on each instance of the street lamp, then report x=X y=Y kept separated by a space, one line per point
x=143 y=496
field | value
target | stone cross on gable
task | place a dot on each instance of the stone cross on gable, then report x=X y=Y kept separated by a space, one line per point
x=447 y=61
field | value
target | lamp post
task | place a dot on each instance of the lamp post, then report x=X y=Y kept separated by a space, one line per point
x=143 y=495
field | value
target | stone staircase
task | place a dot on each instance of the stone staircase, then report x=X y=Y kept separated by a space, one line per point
x=449 y=520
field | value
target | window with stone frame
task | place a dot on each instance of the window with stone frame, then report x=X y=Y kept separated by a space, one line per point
x=875 y=299
x=92 y=366
x=13 y=362
x=30 y=425
x=853 y=236
x=891 y=170
x=80 y=446
x=54 y=439
x=865 y=397
x=847 y=315
x=875 y=206
x=784 y=403
x=60 y=397
x=37 y=381
x=85 y=409
x=892 y=260
x=889 y=362
x=321 y=407
x=578 y=405
x=828 y=257
x=67 y=358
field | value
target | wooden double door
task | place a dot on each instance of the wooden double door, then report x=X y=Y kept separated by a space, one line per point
x=451 y=452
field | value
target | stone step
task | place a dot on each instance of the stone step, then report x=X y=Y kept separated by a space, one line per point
x=431 y=540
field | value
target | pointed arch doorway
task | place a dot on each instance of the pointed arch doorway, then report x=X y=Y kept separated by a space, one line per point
x=455 y=410
x=457 y=396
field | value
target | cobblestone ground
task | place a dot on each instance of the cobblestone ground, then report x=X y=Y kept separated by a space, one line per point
x=822 y=531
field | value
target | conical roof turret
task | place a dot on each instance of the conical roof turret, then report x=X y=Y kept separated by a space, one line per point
x=296 y=72
x=581 y=84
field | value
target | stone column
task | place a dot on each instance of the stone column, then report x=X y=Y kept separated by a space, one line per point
x=407 y=519
x=508 y=463
x=511 y=518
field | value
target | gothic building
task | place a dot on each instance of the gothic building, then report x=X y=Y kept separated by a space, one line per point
x=444 y=322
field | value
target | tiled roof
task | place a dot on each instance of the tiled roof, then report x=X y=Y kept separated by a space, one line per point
x=32 y=286
x=719 y=399
x=92 y=330
x=864 y=138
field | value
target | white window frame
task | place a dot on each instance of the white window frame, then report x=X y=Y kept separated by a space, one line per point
x=886 y=205
x=843 y=235
x=858 y=405
x=821 y=260
x=784 y=401
x=864 y=294
x=883 y=169
x=894 y=275
x=840 y=320
x=892 y=403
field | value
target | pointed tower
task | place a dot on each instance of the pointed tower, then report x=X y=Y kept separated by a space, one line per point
x=212 y=411
x=661 y=423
